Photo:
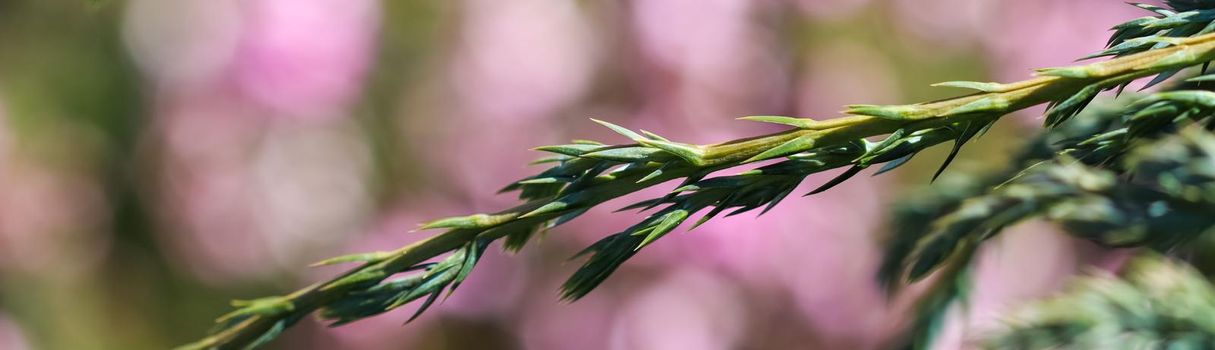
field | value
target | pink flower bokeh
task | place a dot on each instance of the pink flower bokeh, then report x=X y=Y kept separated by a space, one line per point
x=256 y=126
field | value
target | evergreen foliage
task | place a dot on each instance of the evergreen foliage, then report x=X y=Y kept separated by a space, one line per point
x=1138 y=172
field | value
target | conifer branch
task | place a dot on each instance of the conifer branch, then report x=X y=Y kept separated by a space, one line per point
x=588 y=173
x=1078 y=184
x=1161 y=304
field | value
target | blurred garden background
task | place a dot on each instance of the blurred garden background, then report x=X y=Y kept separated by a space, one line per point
x=161 y=157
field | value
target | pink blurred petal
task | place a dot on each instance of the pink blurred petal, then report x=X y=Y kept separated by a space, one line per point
x=688 y=309
x=305 y=58
x=11 y=335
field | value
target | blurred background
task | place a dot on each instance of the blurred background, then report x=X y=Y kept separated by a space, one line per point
x=161 y=157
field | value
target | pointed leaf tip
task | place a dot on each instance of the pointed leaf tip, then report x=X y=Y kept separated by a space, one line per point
x=425 y=305
x=969 y=132
x=847 y=174
x=894 y=112
x=652 y=175
x=990 y=104
x=974 y=85
x=362 y=257
x=653 y=136
x=690 y=153
x=552 y=207
x=471 y=221
x=1078 y=72
x=801 y=143
x=572 y=150
x=620 y=130
x=586 y=142
x=894 y=164
x=800 y=123
x=1202 y=78
x=669 y=223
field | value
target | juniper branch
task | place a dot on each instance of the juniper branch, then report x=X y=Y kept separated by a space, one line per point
x=1140 y=177
x=1099 y=139
x=588 y=174
x=1160 y=304
x=1061 y=186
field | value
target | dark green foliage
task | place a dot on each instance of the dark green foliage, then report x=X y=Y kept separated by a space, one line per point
x=915 y=217
x=763 y=187
x=1102 y=176
x=1159 y=305
x=1187 y=5
x=1082 y=187
x=1182 y=19
x=386 y=296
x=1137 y=182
